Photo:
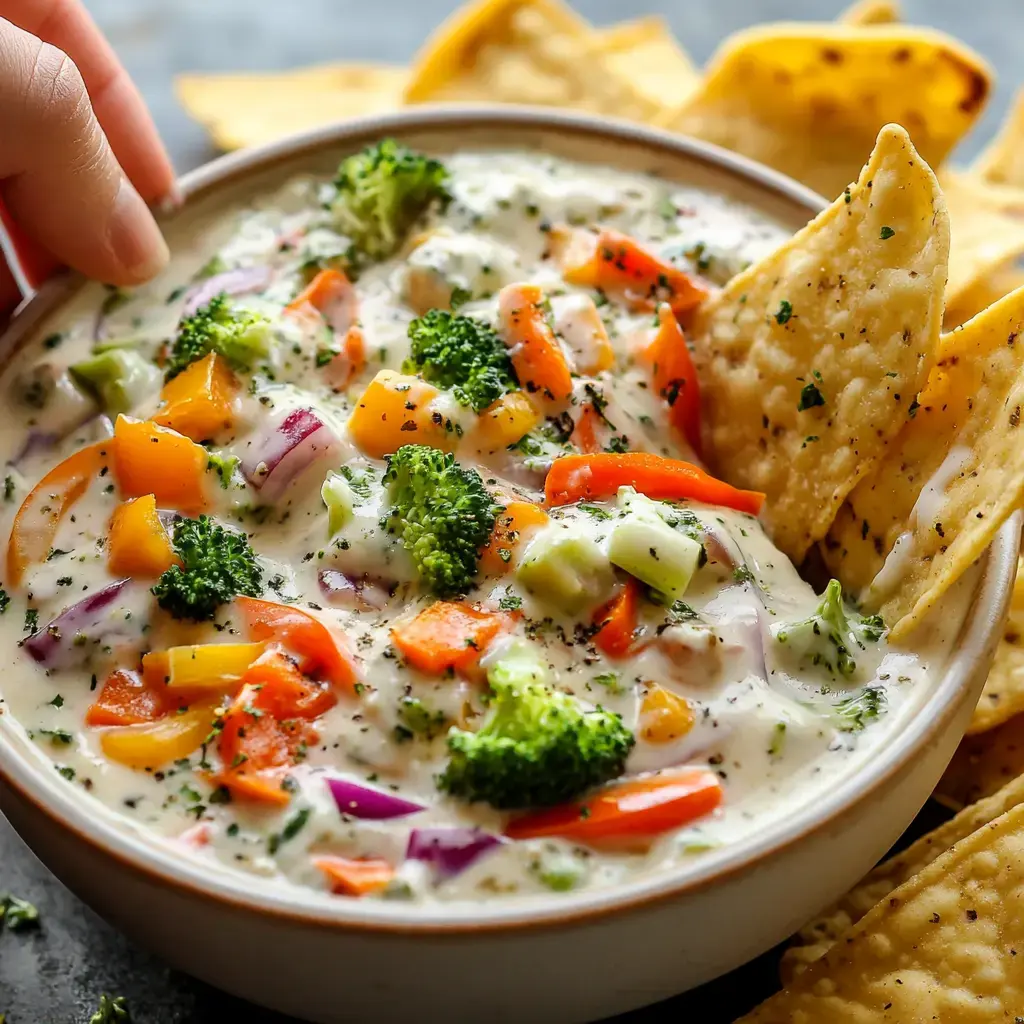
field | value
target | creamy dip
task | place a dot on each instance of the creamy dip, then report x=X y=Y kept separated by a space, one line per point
x=726 y=680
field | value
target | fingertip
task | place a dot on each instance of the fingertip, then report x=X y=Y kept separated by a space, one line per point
x=135 y=238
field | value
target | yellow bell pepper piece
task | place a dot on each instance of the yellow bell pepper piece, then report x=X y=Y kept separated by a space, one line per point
x=664 y=716
x=397 y=409
x=505 y=421
x=202 y=666
x=138 y=545
x=152 y=744
x=199 y=402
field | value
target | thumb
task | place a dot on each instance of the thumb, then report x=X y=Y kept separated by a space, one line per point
x=59 y=178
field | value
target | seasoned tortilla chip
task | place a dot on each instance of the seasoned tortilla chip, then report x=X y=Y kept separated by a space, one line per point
x=246 y=110
x=942 y=947
x=646 y=53
x=982 y=294
x=809 y=359
x=523 y=51
x=982 y=764
x=809 y=99
x=816 y=937
x=1002 y=161
x=956 y=473
x=871 y=12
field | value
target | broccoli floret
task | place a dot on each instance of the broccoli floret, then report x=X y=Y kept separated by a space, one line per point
x=831 y=636
x=538 y=746
x=461 y=355
x=857 y=711
x=239 y=335
x=216 y=565
x=442 y=513
x=381 y=191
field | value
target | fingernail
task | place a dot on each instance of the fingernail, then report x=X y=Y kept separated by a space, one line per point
x=135 y=237
x=172 y=200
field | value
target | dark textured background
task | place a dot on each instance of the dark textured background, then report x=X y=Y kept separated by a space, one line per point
x=55 y=976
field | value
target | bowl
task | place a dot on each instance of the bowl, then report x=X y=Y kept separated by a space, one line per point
x=561 y=958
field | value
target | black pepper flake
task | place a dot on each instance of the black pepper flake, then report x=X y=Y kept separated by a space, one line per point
x=972 y=915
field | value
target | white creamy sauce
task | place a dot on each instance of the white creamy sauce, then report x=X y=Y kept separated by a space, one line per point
x=777 y=726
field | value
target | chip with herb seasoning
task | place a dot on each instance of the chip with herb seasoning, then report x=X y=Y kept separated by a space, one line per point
x=865 y=325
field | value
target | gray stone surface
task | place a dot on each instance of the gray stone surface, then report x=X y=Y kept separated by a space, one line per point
x=55 y=976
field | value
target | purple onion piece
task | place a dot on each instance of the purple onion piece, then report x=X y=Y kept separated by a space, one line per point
x=360 y=801
x=70 y=638
x=240 y=281
x=449 y=851
x=283 y=451
x=353 y=592
x=36 y=442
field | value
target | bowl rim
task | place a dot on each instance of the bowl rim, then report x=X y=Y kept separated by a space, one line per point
x=157 y=861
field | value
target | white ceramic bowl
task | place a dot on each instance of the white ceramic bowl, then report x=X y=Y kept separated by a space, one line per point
x=560 y=958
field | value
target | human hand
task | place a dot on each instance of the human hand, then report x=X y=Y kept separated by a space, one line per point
x=79 y=155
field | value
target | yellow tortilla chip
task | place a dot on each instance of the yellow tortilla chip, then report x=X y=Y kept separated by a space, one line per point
x=871 y=12
x=988 y=231
x=646 y=53
x=818 y=936
x=982 y=764
x=942 y=947
x=1003 y=696
x=1002 y=162
x=809 y=359
x=956 y=473
x=809 y=99
x=246 y=110
x=981 y=295
x=523 y=51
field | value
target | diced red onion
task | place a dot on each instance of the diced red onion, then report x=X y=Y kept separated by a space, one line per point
x=348 y=592
x=450 y=850
x=71 y=637
x=240 y=281
x=370 y=804
x=37 y=441
x=284 y=450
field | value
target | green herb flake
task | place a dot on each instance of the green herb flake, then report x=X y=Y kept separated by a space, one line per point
x=111 y=1011
x=784 y=313
x=886 y=232
x=17 y=914
x=810 y=396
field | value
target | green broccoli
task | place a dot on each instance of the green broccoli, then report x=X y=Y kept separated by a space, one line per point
x=381 y=191
x=461 y=355
x=442 y=513
x=216 y=565
x=119 y=378
x=239 y=335
x=856 y=711
x=832 y=634
x=538 y=746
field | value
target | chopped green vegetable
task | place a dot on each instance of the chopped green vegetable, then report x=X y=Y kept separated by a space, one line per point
x=856 y=711
x=337 y=496
x=119 y=378
x=420 y=720
x=18 y=914
x=223 y=466
x=648 y=548
x=565 y=568
x=111 y=1011
x=241 y=336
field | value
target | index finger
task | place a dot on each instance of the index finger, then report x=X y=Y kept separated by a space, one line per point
x=117 y=103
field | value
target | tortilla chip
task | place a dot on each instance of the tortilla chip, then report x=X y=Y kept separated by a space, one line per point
x=982 y=764
x=646 y=53
x=982 y=294
x=988 y=231
x=955 y=475
x=871 y=12
x=818 y=936
x=1002 y=161
x=808 y=99
x=246 y=110
x=941 y=947
x=523 y=51
x=846 y=313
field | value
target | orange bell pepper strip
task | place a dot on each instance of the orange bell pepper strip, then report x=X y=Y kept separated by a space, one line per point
x=150 y=459
x=199 y=401
x=319 y=652
x=664 y=716
x=584 y=434
x=355 y=877
x=675 y=378
x=584 y=477
x=349 y=362
x=617 y=621
x=331 y=296
x=36 y=522
x=639 y=808
x=138 y=545
x=510 y=526
x=536 y=356
x=126 y=698
x=448 y=636
x=284 y=691
x=619 y=265
x=397 y=409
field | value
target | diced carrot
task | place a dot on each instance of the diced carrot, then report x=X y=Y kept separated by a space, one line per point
x=397 y=409
x=152 y=744
x=621 y=266
x=150 y=459
x=447 y=636
x=355 y=877
x=35 y=524
x=196 y=836
x=581 y=477
x=675 y=377
x=199 y=401
x=331 y=295
x=138 y=544
x=538 y=360
x=201 y=667
x=638 y=808
x=126 y=699
x=320 y=653
x=584 y=434
x=505 y=421
x=617 y=621
x=510 y=528
x=284 y=691
x=664 y=716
